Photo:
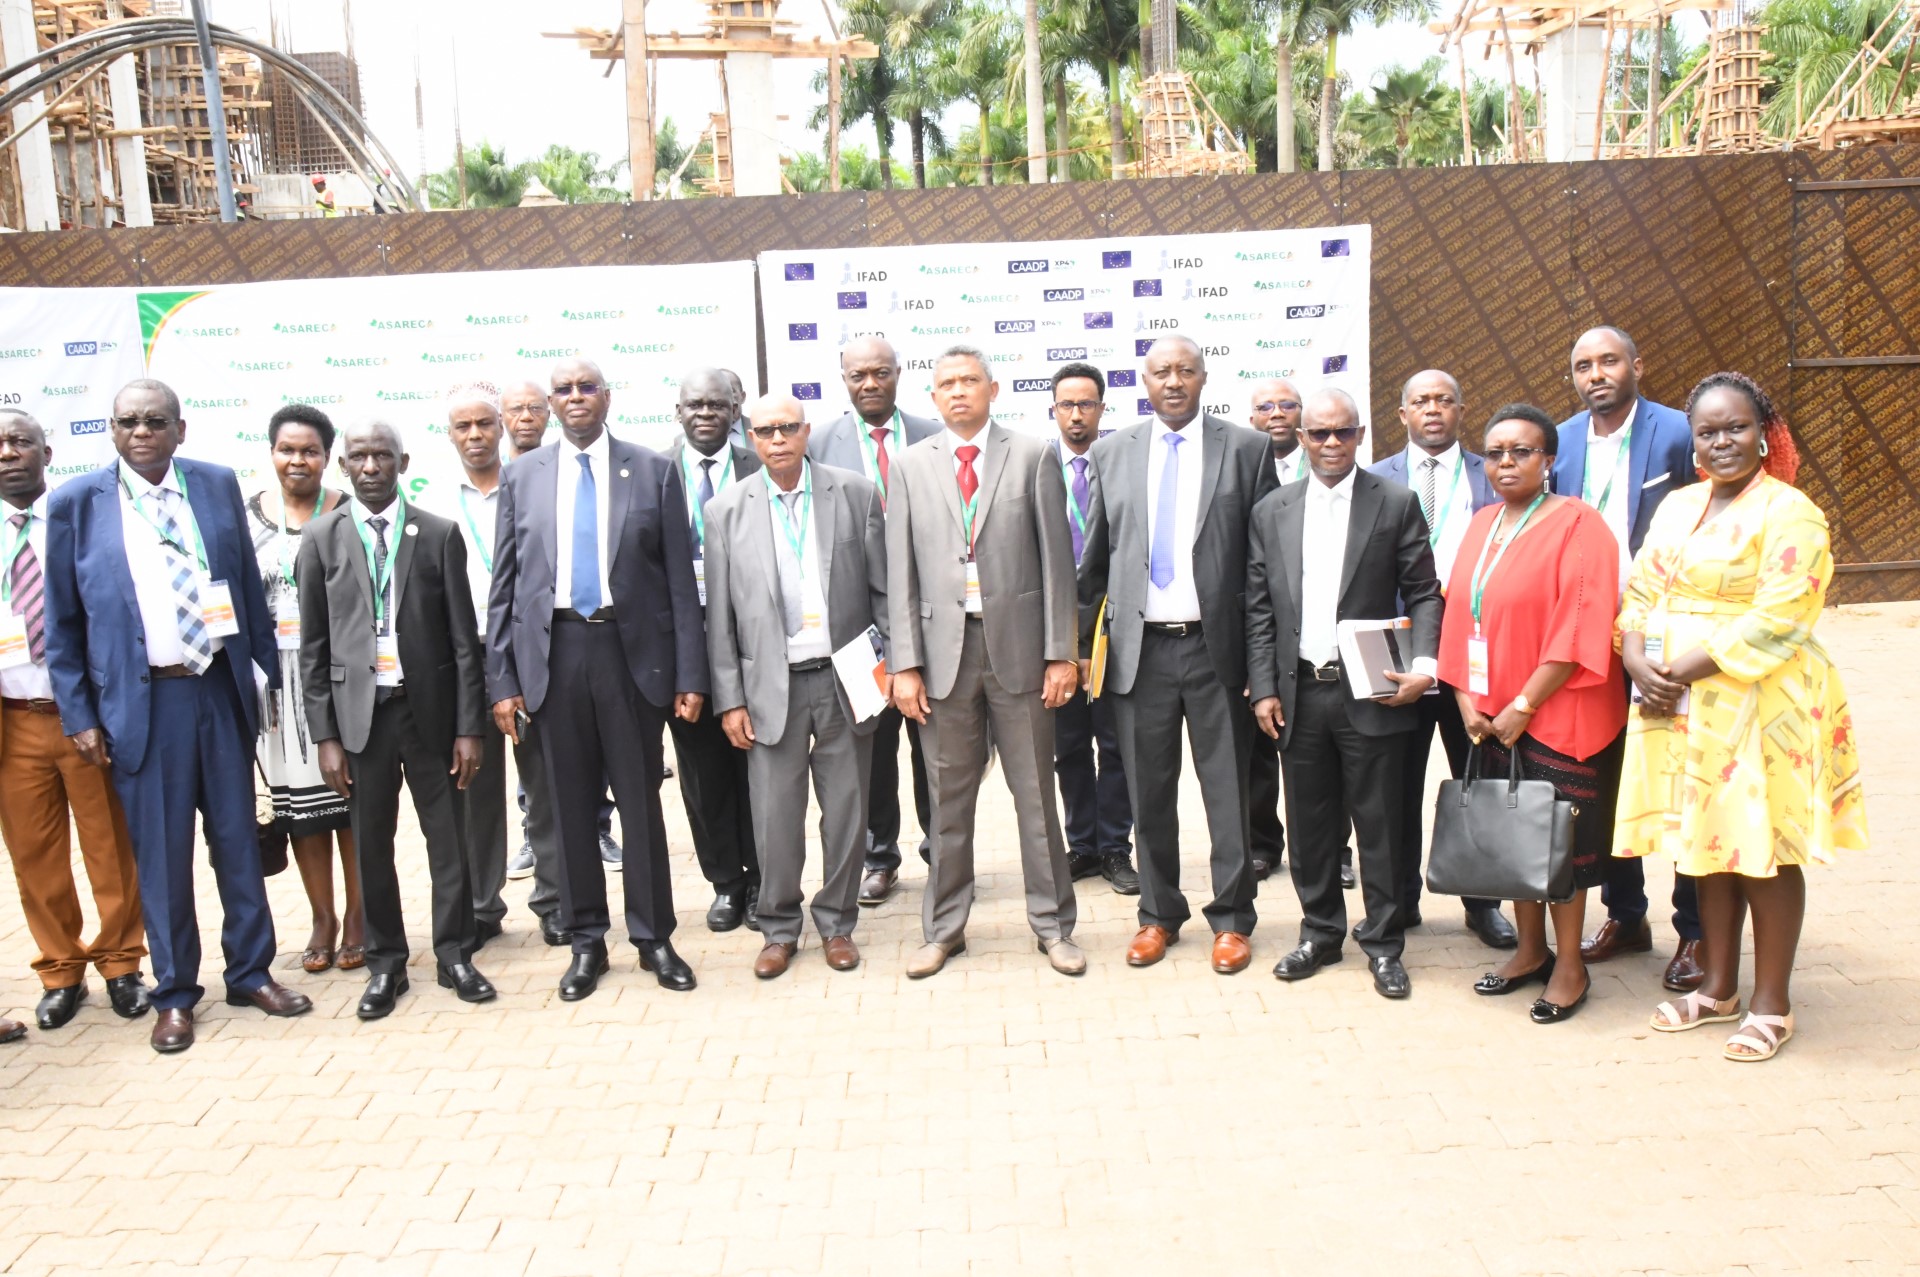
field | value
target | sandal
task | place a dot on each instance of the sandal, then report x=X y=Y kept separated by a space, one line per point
x=314 y=961
x=1693 y=1011
x=1762 y=1035
x=352 y=957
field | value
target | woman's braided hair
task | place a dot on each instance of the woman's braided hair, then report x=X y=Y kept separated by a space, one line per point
x=1783 y=458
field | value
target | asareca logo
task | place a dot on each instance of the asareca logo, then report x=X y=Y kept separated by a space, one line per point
x=990 y=299
x=357 y=361
x=621 y=314
x=234 y=403
x=299 y=329
x=1231 y=316
x=491 y=321
x=20 y=352
x=551 y=352
x=259 y=365
x=950 y=330
x=400 y=325
x=208 y=332
x=643 y=348
x=1277 y=255
x=404 y=396
x=451 y=357
x=949 y=270
x=648 y=419
x=307 y=399
x=55 y=392
x=672 y=312
x=1266 y=343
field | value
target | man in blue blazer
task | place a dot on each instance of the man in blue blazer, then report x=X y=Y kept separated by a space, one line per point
x=158 y=638
x=1451 y=484
x=1622 y=456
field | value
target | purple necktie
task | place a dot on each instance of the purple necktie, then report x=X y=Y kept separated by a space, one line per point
x=1081 y=497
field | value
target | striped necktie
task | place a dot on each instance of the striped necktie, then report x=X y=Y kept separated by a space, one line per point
x=183 y=580
x=29 y=590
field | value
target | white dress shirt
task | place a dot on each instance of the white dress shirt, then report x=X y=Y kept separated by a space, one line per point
x=954 y=442
x=147 y=561
x=1611 y=457
x=361 y=514
x=1452 y=496
x=723 y=470
x=29 y=682
x=1180 y=601
x=1323 y=543
x=1291 y=467
x=477 y=517
x=568 y=479
x=808 y=644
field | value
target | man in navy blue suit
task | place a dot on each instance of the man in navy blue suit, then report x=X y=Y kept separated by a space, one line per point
x=1451 y=484
x=158 y=639
x=1622 y=456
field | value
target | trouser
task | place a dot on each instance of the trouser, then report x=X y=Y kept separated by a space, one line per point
x=199 y=759
x=957 y=733
x=818 y=738
x=1625 y=895
x=1442 y=711
x=1267 y=833
x=42 y=778
x=883 y=789
x=537 y=822
x=596 y=727
x=396 y=750
x=715 y=790
x=1099 y=814
x=483 y=813
x=1335 y=774
x=1176 y=681
x=526 y=813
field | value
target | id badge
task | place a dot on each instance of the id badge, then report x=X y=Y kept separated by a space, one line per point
x=973 y=586
x=700 y=578
x=386 y=661
x=14 y=651
x=1477 y=667
x=286 y=623
x=811 y=623
x=216 y=608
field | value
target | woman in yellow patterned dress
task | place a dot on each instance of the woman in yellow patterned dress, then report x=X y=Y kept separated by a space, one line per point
x=1740 y=763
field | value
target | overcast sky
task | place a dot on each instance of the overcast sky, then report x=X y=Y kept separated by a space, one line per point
x=523 y=92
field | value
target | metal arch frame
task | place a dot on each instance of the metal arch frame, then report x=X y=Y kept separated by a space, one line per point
x=107 y=43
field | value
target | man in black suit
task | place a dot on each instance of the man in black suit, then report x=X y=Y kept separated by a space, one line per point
x=391 y=666
x=598 y=647
x=713 y=774
x=1344 y=545
x=1167 y=551
x=1275 y=409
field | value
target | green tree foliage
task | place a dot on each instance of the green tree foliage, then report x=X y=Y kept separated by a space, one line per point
x=1812 y=41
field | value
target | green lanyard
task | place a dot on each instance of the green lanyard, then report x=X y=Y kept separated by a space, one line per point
x=1483 y=570
x=286 y=534
x=19 y=544
x=871 y=450
x=382 y=579
x=486 y=555
x=1442 y=510
x=796 y=538
x=1613 y=472
x=186 y=521
x=723 y=475
x=1078 y=515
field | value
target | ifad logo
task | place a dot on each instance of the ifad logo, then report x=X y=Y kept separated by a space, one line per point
x=1334 y=248
x=806 y=391
x=850 y=301
x=798 y=272
x=1027 y=266
x=1022 y=385
x=1333 y=363
x=1059 y=354
x=1063 y=295
x=803 y=332
x=1121 y=377
x=1098 y=319
x=1013 y=325
x=1117 y=259
x=1146 y=288
x=93 y=426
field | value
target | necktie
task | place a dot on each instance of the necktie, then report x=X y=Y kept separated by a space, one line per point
x=29 y=591
x=790 y=590
x=879 y=434
x=379 y=525
x=700 y=499
x=183 y=581
x=1428 y=491
x=969 y=481
x=1081 y=496
x=585 y=592
x=1160 y=559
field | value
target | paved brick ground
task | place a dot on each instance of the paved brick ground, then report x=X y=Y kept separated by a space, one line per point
x=999 y=1117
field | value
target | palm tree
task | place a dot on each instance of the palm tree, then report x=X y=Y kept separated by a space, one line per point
x=865 y=85
x=1812 y=41
x=973 y=68
x=1336 y=18
x=491 y=181
x=913 y=33
x=1035 y=92
x=1237 y=79
x=1408 y=109
x=577 y=178
x=1103 y=35
x=1296 y=25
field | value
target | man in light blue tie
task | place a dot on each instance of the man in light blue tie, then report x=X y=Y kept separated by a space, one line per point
x=1166 y=561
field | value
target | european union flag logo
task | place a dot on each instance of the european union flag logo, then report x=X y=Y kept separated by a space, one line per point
x=1141 y=345
x=850 y=301
x=1121 y=377
x=803 y=332
x=809 y=390
x=1334 y=248
x=1116 y=259
x=1333 y=363
x=1146 y=288
x=799 y=272
x=1099 y=319
x=1143 y=408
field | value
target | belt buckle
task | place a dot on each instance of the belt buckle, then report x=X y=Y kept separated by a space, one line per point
x=1328 y=673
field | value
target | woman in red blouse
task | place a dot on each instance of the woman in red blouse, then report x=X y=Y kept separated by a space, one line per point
x=1527 y=647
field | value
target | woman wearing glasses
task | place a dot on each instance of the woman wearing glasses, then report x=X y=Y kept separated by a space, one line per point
x=1527 y=647
x=1741 y=763
x=304 y=806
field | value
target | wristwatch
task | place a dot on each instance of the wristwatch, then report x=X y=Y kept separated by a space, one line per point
x=1521 y=705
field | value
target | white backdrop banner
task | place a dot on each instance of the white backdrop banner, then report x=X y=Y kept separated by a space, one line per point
x=63 y=354
x=1288 y=303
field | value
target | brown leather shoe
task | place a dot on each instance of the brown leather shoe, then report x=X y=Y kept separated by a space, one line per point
x=773 y=959
x=877 y=886
x=1685 y=973
x=842 y=953
x=1150 y=944
x=172 y=1031
x=1231 y=952
x=1613 y=939
x=272 y=997
x=11 y=1030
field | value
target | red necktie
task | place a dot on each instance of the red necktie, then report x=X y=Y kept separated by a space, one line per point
x=969 y=482
x=880 y=456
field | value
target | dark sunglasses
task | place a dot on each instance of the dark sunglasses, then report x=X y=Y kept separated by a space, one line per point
x=788 y=429
x=155 y=424
x=566 y=388
x=1345 y=434
x=1520 y=455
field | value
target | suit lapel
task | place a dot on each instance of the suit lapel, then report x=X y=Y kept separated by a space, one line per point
x=1137 y=469
x=945 y=480
x=1293 y=532
x=1639 y=448
x=1570 y=467
x=618 y=494
x=826 y=525
x=758 y=517
x=113 y=532
x=403 y=564
x=991 y=465
x=1213 y=457
x=1367 y=503
x=355 y=550
x=202 y=504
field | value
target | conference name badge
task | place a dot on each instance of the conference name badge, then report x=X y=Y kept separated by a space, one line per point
x=286 y=623
x=216 y=609
x=973 y=586
x=1477 y=666
x=386 y=661
x=700 y=578
x=14 y=651
x=812 y=623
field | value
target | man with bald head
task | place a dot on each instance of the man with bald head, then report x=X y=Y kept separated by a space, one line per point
x=595 y=635
x=713 y=774
x=1166 y=559
x=392 y=668
x=797 y=569
x=866 y=439
x=1275 y=408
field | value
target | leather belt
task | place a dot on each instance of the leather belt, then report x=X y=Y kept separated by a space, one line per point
x=808 y=667
x=1329 y=673
x=600 y=616
x=37 y=706
x=1179 y=629
x=169 y=671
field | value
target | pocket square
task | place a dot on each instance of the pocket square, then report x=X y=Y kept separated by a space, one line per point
x=1655 y=482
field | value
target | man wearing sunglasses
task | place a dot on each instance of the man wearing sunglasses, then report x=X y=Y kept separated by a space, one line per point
x=1276 y=409
x=598 y=647
x=713 y=774
x=1167 y=550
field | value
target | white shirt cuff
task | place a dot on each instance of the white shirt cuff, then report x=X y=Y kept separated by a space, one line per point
x=1426 y=667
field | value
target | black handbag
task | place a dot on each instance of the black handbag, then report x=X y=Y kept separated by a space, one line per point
x=266 y=830
x=1502 y=842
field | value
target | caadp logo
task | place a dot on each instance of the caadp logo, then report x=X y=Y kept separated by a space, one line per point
x=808 y=391
x=1333 y=363
x=1063 y=295
x=95 y=426
x=1146 y=288
x=83 y=348
x=799 y=272
x=1022 y=385
x=1334 y=248
x=1057 y=354
x=1099 y=319
x=1013 y=325
x=1306 y=312
x=1027 y=266
x=850 y=301
x=803 y=332
x=1121 y=377
x=1116 y=259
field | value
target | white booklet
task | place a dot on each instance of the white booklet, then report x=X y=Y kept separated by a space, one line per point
x=1369 y=648
x=862 y=668
x=1656 y=650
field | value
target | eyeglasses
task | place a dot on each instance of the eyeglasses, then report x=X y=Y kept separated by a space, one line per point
x=1437 y=401
x=1345 y=434
x=1278 y=405
x=155 y=424
x=1519 y=456
x=567 y=388
x=786 y=429
x=1084 y=405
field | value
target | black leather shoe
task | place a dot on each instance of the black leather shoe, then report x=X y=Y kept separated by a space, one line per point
x=485 y=929
x=729 y=908
x=1493 y=928
x=383 y=990
x=1545 y=1012
x=753 y=906
x=1307 y=957
x=1262 y=868
x=1492 y=985
x=1118 y=871
x=583 y=976
x=658 y=957
x=128 y=995
x=58 y=1006
x=1347 y=879
x=551 y=931
x=1390 y=978
x=1083 y=864
x=467 y=983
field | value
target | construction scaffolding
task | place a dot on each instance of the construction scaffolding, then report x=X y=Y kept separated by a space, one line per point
x=1861 y=106
x=1179 y=137
x=297 y=140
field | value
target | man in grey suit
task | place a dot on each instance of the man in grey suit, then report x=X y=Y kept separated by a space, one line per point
x=391 y=664
x=1166 y=558
x=865 y=440
x=980 y=596
x=796 y=570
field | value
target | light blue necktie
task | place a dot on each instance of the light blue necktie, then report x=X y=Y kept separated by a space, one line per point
x=1160 y=561
x=586 y=543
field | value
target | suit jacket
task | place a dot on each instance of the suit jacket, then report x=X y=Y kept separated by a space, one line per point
x=1021 y=543
x=1387 y=572
x=746 y=620
x=1237 y=473
x=838 y=442
x=1660 y=459
x=441 y=657
x=650 y=570
x=745 y=462
x=1394 y=470
x=96 y=644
